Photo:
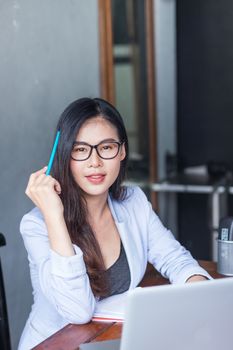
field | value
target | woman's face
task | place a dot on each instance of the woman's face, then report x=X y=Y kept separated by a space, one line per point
x=96 y=175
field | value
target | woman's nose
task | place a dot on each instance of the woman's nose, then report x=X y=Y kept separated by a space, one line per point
x=95 y=159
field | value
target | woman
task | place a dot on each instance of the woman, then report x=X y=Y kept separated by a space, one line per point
x=89 y=237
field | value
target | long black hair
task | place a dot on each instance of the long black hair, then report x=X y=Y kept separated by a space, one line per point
x=75 y=209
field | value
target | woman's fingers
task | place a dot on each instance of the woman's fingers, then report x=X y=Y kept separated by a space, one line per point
x=57 y=187
x=44 y=191
x=39 y=172
x=38 y=181
x=33 y=177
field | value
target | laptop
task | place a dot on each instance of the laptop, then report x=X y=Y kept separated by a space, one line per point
x=193 y=316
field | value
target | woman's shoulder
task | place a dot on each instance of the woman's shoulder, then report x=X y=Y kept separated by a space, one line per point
x=33 y=214
x=134 y=193
x=134 y=204
x=32 y=219
x=133 y=198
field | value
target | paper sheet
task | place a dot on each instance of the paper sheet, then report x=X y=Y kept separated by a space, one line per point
x=111 y=309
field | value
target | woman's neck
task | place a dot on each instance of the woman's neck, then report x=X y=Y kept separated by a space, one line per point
x=97 y=206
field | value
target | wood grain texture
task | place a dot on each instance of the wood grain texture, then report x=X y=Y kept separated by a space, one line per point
x=71 y=336
x=113 y=332
x=151 y=99
x=106 y=51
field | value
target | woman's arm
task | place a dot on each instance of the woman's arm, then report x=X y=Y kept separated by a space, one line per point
x=62 y=280
x=170 y=257
x=167 y=255
x=57 y=266
x=44 y=191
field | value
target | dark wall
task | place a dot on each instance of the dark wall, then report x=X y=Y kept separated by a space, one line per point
x=205 y=81
x=205 y=105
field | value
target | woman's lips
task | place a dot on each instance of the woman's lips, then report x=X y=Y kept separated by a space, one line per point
x=96 y=179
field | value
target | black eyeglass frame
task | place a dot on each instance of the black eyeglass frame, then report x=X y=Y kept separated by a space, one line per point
x=96 y=148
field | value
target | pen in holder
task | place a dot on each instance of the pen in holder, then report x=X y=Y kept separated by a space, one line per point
x=225 y=247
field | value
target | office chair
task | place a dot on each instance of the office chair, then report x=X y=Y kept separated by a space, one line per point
x=4 y=326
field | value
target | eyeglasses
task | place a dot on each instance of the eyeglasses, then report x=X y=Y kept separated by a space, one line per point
x=105 y=150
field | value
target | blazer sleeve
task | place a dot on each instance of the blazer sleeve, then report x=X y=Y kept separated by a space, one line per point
x=165 y=253
x=63 y=280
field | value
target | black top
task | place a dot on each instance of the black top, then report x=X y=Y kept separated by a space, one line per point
x=119 y=275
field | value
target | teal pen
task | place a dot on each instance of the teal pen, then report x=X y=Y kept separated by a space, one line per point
x=53 y=153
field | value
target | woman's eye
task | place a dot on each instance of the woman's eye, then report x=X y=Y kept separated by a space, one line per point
x=108 y=147
x=80 y=149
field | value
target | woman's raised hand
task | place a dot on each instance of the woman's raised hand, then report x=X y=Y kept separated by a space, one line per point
x=44 y=191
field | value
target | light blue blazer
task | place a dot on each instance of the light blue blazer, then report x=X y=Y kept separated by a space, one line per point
x=61 y=288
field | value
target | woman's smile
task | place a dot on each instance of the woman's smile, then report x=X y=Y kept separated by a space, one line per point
x=96 y=178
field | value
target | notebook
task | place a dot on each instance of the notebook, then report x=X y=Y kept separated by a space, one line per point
x=179 y=317
x=111 y=309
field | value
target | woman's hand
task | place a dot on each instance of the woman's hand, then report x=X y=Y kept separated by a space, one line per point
x=44 y=191
x=196 y=278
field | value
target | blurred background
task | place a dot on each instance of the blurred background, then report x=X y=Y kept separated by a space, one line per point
x=165 y=64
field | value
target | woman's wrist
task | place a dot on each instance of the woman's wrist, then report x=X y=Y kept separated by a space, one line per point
x=59 y=236
x=54 y=217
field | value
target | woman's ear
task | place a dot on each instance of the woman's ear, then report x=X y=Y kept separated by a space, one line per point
x=122 y=152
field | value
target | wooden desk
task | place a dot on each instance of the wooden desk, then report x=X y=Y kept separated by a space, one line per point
x=71 y=336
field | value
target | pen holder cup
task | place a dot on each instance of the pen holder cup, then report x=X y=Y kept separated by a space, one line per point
x=225 y=257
